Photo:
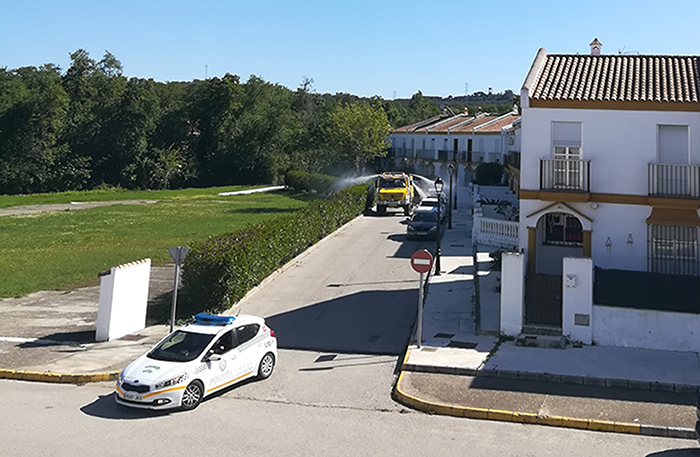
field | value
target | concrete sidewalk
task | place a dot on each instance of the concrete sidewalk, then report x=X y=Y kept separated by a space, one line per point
x=456 y=371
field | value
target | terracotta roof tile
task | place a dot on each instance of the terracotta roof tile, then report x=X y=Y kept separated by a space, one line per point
x=495 y=127
x=618 y=78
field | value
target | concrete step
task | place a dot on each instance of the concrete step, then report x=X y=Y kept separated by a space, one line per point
x=541 y=341
x=540 y=329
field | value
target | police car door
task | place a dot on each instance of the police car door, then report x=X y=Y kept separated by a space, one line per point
x=222 y=371
x=247 y=349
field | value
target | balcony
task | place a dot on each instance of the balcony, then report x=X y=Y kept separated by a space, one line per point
x=513 y=159
x=668 y=180
x=565 y=175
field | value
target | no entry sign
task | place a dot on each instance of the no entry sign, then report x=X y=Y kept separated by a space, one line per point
x=422 y=261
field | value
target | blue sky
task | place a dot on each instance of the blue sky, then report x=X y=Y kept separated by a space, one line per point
x=362 y=47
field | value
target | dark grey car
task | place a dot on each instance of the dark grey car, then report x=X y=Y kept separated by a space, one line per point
x=423 y=224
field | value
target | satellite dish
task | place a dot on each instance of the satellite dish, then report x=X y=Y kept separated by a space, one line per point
x=442 y=106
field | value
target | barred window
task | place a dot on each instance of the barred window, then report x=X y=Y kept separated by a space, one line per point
x=563 y=230
x=673 y=249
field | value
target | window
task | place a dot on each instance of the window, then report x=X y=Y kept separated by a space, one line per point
x=566 y=152
x=673 y=249
x=562 y=229
x=671 y=172
x=246 y=333
x=469 y=145
x=224 y=344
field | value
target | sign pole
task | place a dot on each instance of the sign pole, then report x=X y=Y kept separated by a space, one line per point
x=172 y=309
x=420 y=311
x=421 y=262
x=178 y=254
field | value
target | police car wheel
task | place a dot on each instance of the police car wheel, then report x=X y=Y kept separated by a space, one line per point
x=192 y=395
x=267 y=364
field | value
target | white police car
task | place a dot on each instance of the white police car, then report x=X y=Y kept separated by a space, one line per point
x=198 y=359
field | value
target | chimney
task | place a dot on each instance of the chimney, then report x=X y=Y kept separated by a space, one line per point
x=595 y=47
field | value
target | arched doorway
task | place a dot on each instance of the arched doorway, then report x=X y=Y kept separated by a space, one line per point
x=559 y=235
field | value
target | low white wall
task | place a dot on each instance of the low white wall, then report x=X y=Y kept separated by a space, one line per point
x=123 y=300
x=577 y=303
x=512 y=292
x=627 y=327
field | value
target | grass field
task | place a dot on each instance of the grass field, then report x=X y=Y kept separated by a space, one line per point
x=64 y=250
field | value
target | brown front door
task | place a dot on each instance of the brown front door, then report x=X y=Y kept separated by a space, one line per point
x=543 y=299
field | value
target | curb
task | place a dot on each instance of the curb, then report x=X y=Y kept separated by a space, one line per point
x=65 y=378
x=556 y=378
x=532 y=418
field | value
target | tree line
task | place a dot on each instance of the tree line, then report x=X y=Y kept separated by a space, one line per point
x=91 y=126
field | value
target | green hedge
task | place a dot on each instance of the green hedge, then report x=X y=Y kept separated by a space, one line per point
x=221 y=270
x=302 y=180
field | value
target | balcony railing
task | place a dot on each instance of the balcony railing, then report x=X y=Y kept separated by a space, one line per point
x=565 y=175
x=513 y=159
x=674 y=180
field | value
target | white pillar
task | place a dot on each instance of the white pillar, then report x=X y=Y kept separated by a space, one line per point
x=577 y=300
x=123 y=300
x=512 y=292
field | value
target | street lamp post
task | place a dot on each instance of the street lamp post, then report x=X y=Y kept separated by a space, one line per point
x=451 y=169
x=438 y=188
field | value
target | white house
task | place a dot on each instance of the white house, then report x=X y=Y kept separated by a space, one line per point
x=609 y=178
x=471 y=138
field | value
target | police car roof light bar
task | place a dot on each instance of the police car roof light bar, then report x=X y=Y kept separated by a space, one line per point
x=209 y=319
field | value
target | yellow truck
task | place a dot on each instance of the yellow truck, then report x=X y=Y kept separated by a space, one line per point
x=395 y=190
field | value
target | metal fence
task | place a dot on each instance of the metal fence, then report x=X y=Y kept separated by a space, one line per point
x=673 y=249
x=646 y=290
x=565 y=175
x=674 y=180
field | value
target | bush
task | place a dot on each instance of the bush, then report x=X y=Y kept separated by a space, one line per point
x=304 y=181
x=489 y=174
x=220 y=271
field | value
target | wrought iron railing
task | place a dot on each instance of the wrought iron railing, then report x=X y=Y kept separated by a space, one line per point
x=674 y=180
x=513 y=159
x=565 y=175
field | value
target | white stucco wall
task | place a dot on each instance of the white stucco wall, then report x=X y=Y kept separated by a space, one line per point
x=613 y=221
x=577 y=299
x=123 y=300
x=627 y=327
x=619 y=144
x=512 y=292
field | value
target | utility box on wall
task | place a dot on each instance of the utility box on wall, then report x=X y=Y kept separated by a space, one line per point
x=123 y=300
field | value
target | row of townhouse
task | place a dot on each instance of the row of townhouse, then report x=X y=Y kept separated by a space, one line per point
x=608 y=174
x=455 y=137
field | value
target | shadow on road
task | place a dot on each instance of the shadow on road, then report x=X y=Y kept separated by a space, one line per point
x=370 y=322
x=688 y=452
x=61 y=339
x=105 y=407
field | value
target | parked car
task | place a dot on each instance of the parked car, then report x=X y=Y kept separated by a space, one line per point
x=423 y=223
x=432 y=202
x=197 y=360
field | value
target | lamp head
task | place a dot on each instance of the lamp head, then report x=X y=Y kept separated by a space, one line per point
x=451 y=169
x=439 y=185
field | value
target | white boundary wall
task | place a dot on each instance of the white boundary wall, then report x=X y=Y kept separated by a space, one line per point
x=640 y=328
x=123 y=300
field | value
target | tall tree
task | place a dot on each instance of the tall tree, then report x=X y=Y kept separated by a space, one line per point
x=359 y=133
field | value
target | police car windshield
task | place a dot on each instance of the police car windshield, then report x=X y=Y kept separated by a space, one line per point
x=181 y=346
x=392 y=183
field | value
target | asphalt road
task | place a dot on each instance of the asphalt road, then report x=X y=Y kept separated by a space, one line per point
x=69 y=420
x=343 y=315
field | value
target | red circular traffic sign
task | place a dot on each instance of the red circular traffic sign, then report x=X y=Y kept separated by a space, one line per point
x=422 y=261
